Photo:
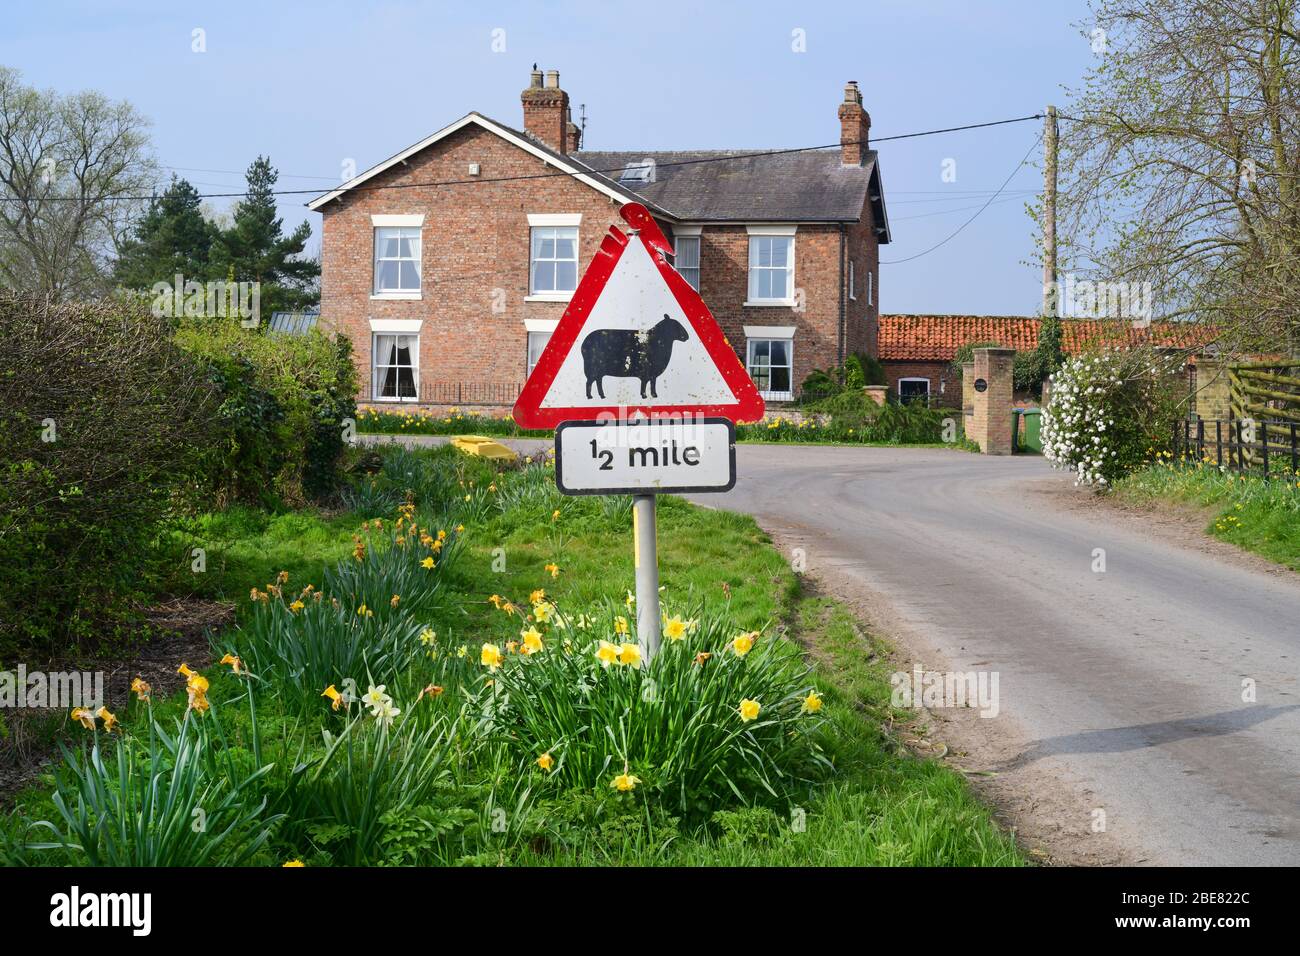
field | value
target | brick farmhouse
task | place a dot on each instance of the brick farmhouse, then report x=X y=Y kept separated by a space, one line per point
x=449 y=264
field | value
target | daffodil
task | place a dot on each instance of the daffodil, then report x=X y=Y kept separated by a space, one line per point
x=544 y=612
x=629 y=654
x=376 y=696
x=109 y=719
x=236 y=665
x=335 y=698
x=532 y=640
x=296 y=606
x=607 y=653
x=743 y=643
x=140 y=687
x=427 y=564
x=428 y=636
x=624 y=782
x=546 y=762
x=555 y=515
x=701 y=657
x=553 y=568
x=184 y=670
x=385 y=712
x=812 y=703
x=620 y=625
x=490 y=656
x=462 y=651
x=432 y=690
x=293 y=863
x=396 y=599
x=675 y=628
x=537 y=597
x=85 y=716
x=495 y=601
x=749 y=709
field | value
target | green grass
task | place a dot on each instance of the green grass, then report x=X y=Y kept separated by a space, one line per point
x=879 y=805
x=1255 y=514
x=882 y=807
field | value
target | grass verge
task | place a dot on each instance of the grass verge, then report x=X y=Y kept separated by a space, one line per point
x=433 y=788
x=1255 y=514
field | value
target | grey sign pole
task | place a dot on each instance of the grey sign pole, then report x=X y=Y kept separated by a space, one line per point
x=646 y=559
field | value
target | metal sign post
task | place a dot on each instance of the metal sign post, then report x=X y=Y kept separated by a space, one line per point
x=645 y=550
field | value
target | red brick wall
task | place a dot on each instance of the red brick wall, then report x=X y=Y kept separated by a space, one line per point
x=939 y=373
x=475 y=255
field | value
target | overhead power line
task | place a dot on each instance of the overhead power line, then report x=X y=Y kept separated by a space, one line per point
x=956 y=232
x=482 y=181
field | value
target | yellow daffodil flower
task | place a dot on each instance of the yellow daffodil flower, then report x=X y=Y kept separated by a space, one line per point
x=184 y=669
x=140 y=687
x=109 y=719
x=546 y=762
x=532 y=640
x=701 y=657
x=235 y=663
x=675 y=628
x=85 y=716
x=335 y=698
x=428 y=636
x=537 y=597
x=743 y=643
x=544 y=612
x=620 y=625
x=812 y=703
x=749 y=709
x=607 y=653
x=624 y=782
x=629 y=654
x=296 y=606
x=490 y=656
x=554 y=569
x=293 y=863
x=427 y=564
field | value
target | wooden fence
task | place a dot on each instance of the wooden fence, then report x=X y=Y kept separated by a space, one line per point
x=1269 y=447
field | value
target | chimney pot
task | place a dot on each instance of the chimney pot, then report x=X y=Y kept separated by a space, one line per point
x=536 y=79
x=552 y=79
x=546 y=111
x=855 y=125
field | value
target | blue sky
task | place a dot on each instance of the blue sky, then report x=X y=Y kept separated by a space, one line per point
x=316 y=84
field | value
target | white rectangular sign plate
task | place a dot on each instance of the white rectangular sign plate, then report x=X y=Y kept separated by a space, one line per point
x=645 y=457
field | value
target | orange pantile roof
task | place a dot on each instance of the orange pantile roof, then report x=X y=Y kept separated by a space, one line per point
x=936 y=338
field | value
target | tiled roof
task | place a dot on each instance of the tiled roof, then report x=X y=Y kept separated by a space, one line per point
x=936 y=338
x=737 y=186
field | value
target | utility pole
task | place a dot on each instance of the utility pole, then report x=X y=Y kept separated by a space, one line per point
x=645 y=554
x=1051 y=292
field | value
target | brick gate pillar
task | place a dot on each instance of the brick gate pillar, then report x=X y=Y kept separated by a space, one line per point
x=992 y=387
x=1213 y=394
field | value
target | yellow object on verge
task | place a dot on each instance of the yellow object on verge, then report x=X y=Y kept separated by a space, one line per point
x=483 y=447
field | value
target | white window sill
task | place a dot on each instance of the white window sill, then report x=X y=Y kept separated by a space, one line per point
x=768 y=303
x=549 y=297
x=396 y=296
x=777 y=396
x=396 y=401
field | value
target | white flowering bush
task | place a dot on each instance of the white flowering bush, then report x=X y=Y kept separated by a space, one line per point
x=1108 y=414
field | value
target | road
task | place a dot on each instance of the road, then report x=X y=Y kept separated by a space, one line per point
x=1128 y=683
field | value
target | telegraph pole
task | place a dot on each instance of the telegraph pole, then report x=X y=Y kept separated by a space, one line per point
x=1051 y=292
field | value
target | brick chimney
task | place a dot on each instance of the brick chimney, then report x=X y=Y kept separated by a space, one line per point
x=855 y=124
x=546 y=110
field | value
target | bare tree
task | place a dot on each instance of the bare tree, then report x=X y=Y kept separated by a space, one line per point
x=64 y=163
x=1180 y=162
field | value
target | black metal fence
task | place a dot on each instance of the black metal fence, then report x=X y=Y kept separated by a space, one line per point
x=1241 y=444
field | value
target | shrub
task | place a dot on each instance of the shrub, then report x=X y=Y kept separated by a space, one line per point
x=286 y=400
x=104 y=428
x=1109 y=412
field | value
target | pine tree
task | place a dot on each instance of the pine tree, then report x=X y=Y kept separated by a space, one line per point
x=172 y=238
x=256 y=248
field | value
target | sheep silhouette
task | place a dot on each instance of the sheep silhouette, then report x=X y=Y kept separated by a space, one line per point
x=630 y=353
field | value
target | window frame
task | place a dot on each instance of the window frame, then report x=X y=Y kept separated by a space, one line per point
x=555 y=222
x=914 y=378
x=770 y=233
x=853 y=292
x=413 y=224
x=769 y=394
x=375 y=367
x=678 y=240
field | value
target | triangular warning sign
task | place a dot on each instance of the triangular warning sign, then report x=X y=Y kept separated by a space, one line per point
x=636 y=340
